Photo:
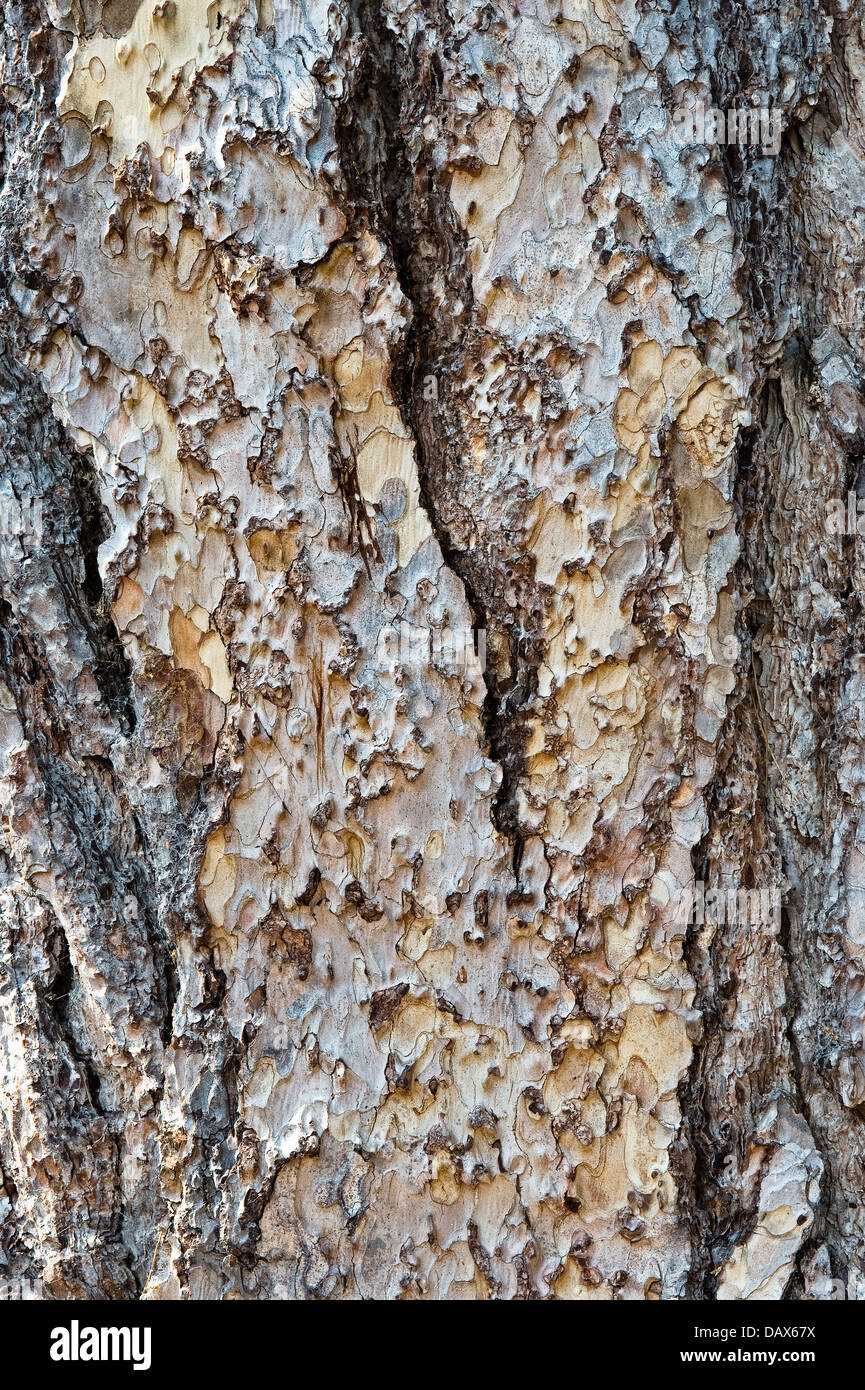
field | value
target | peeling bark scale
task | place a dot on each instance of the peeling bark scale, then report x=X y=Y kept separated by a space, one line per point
x=432 y=653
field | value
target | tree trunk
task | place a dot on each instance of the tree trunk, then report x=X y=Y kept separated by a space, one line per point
x=432 y=739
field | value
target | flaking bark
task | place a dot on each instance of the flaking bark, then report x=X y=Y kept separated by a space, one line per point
x=332 y=971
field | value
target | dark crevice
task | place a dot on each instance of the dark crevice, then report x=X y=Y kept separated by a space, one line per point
x=165 y=968
x=740 y=794
x=70 y=733
x=743 y=68
x=27 y=674
x=826 y=645
x=110 y=663
x=767 y=221
x=768 y=618
x=74 y=525
x=58 y=998
x=400 y=192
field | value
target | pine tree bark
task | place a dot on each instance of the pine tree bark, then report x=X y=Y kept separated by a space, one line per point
x=427 y=592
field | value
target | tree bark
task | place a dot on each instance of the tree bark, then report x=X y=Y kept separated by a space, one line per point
x=431 y=732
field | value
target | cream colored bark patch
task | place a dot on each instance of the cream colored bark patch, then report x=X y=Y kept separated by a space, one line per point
x=125 y=85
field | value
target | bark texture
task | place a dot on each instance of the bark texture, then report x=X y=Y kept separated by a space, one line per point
x=327 y=971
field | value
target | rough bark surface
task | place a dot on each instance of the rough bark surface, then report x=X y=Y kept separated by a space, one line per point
x=331 y=972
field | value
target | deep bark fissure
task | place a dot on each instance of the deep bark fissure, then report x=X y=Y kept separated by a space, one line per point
x=795 y=1007
x=71 y=730
x=720 y=1215
x=767 y=225
x=110 y=664
x=805 y=922
x=57 y=998
x=402 y=194
x=74 y=519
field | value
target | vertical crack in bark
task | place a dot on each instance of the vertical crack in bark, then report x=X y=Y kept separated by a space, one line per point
x=735 y=961
x=777 y=627
x=73 y=526
x=110 y=662
x=57 y=997
x=400 y=190
x=753 y=792
x=726 y=1092
x=98 y=913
